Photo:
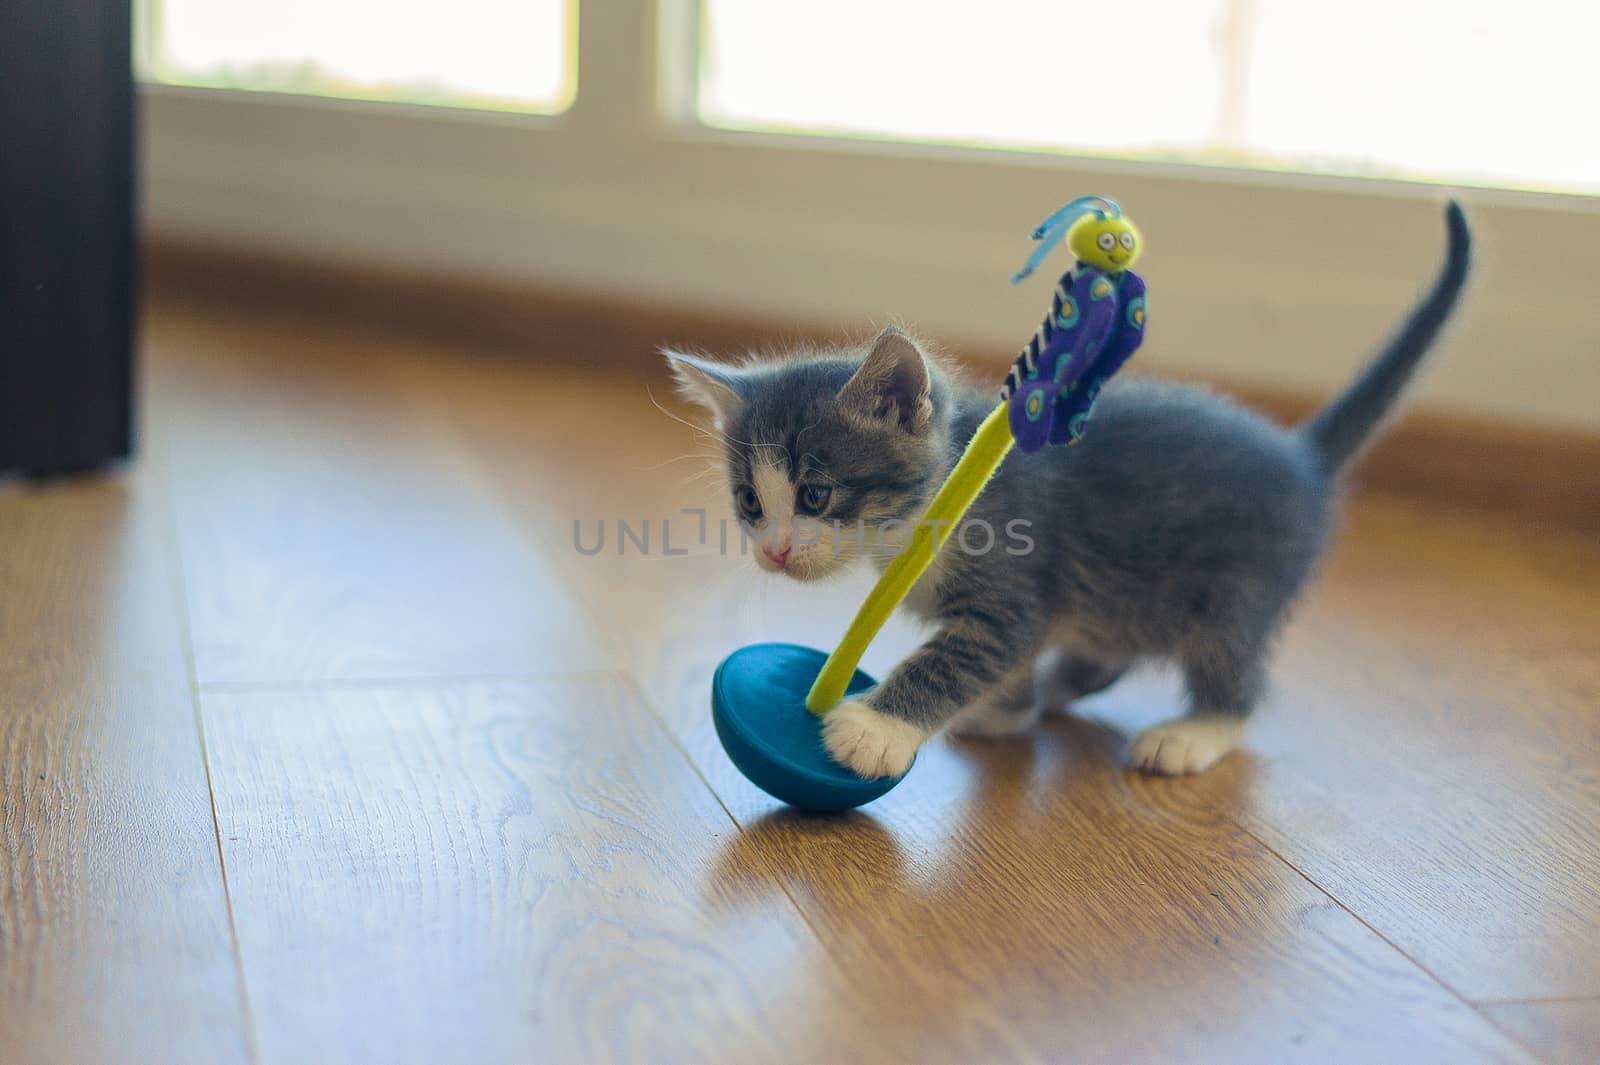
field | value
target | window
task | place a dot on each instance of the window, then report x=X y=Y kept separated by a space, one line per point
x=515 y=55
x=652 y=188
x=1476 y=92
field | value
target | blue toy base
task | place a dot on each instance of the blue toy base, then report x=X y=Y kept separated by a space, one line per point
x=758 y=702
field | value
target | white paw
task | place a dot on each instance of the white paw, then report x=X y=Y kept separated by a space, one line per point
x=872 y=744
x=1185 y=745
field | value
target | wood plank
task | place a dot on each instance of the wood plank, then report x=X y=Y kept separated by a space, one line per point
x=1431 y=754
x=328 y=529
x=1046 y=900
x=1007 y=900
x=1468 y=824
x=114 y=936
x=1561 y=1031
x=502 y=871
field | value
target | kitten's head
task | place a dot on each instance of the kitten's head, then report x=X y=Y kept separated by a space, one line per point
x=822 y=450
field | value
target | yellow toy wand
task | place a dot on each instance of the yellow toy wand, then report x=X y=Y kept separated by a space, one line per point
x=989 y=447
x=1096 y=322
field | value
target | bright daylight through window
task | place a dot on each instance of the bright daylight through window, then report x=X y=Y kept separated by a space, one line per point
x=513 y=55
x=1474 y=91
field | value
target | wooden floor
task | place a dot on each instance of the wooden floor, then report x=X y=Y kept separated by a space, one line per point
x=321 y=741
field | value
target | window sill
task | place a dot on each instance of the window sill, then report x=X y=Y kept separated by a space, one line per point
x=1287 y=280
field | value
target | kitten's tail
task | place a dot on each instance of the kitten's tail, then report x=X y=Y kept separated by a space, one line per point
x=1338 y=430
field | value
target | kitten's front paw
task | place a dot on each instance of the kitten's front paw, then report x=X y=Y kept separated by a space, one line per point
x=870 y=743
x=1186 y=745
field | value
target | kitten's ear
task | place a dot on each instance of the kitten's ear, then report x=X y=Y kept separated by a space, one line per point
x=712 y=385
x=893 y=383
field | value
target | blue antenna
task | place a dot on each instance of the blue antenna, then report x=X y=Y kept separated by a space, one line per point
x=1052 y=229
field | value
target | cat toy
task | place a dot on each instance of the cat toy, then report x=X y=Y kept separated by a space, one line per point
x=768 y=699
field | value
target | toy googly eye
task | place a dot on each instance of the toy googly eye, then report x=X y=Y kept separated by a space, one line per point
x=1106 y=241
x=1127 y=241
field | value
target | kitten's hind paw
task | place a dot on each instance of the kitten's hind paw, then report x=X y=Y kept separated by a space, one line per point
x=1185 y=745
x=870 y=743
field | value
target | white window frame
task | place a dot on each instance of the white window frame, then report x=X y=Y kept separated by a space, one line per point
x=1276 y=279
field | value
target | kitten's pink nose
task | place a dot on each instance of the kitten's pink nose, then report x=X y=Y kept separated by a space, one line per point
x=779 y=558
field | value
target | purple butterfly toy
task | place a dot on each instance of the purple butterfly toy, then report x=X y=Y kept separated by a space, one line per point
x=1096 y=323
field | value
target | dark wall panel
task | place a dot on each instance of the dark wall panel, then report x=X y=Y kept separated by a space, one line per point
x=67 y=266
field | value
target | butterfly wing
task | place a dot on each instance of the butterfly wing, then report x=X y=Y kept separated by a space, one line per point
x=1124 y=337
x=1082 y=316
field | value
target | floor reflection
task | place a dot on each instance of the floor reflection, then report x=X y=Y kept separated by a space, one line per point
x=1056 y=882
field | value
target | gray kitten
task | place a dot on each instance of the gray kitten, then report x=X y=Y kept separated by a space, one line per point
x=1179 y=528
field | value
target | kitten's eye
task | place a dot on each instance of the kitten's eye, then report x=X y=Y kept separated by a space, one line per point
x=813 y=498
x=749 y=502
x=1127 y=241
x=1107 y=241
